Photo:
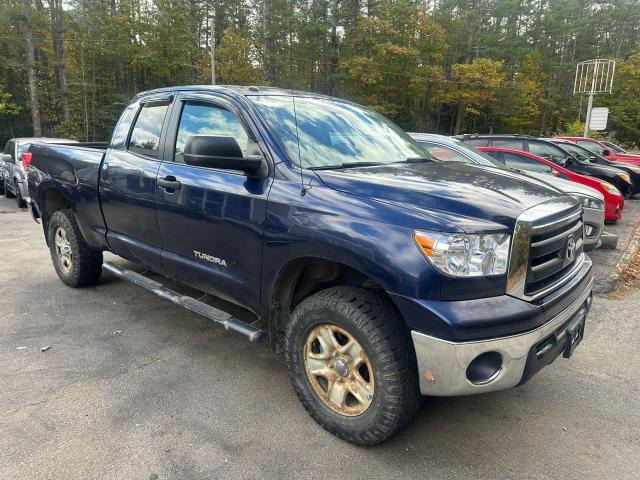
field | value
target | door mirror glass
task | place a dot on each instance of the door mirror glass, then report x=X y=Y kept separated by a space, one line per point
x=7 y=158
x=221 y=152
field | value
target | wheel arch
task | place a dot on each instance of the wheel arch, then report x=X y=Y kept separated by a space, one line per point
x=51 y=199
x=303 y=276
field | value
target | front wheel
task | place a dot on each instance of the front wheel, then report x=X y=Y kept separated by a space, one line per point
x=76 y=263
x=352 y=365
x=7 y=192
x=21 y=202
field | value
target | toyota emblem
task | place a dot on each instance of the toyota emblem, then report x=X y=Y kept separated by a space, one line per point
x=571 y=248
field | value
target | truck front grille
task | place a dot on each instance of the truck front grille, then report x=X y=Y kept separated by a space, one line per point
x=556 y=246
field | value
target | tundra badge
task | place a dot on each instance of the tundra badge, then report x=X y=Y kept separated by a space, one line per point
x=210 y=258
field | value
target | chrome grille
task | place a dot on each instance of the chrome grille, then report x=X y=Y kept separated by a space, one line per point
x=555 y=248
x=538 y=260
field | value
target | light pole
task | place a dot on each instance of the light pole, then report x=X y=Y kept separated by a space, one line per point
x=593 y=77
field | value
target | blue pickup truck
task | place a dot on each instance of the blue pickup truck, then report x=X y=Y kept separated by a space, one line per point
x=381 y=275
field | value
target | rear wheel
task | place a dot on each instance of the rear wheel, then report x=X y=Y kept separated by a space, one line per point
x=76 y=263
x=352 y=365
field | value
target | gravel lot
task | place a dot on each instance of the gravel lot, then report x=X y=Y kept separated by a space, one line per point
x=173 y=396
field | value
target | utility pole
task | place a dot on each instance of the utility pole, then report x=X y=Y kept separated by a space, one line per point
x=213 y=51
x=31 y=71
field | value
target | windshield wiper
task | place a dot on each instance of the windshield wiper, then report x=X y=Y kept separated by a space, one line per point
x=348 y=165
x=418 y=159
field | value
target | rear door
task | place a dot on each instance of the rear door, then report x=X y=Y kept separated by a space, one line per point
x=212 y=221
x=128 y=182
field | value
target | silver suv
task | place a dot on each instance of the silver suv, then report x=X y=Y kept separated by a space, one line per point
x=12 y=172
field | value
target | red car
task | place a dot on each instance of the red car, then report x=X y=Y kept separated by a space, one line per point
x=613 y=199
x=608 y=150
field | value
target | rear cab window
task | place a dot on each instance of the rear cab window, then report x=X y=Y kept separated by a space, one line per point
x=145 y=136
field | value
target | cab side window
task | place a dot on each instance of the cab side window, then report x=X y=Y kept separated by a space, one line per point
x=594 y=147
x=522 y=162
x=208 y=119
x=512 y=143
x=477 y=142
x=145 y=137
x=550 y=152
x=8 y=149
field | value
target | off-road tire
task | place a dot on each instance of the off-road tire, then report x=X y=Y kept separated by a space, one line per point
x=375 y=325
x=87 y=262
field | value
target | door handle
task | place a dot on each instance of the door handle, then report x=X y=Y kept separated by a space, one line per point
x=169 y=183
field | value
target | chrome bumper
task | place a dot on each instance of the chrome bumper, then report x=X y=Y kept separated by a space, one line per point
x=443 y=364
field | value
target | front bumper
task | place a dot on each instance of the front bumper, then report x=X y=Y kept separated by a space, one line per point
x=443 y=363
x=593 y=226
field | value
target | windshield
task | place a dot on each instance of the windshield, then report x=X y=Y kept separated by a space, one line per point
x=322 y=133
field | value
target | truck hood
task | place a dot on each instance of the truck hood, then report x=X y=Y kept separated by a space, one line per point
x=460 y=193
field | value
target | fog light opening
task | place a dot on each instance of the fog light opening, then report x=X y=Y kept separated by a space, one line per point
x=484 y=368
x=589 y=231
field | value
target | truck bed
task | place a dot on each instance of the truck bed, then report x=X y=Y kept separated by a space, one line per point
x=74 y=169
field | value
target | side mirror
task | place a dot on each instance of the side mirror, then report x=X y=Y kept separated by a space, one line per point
x=222 y=152
x=7 y=158
x=606 y=152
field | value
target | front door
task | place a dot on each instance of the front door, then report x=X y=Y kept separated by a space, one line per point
x=211 y=221
x=128 y=186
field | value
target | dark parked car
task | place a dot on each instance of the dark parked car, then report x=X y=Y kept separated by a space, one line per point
x=551 y=151
x=588 y=156
x=379 y=272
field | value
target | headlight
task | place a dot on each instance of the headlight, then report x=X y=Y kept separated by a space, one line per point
x=466 y=255
x=624 y=176
x=588 y=202
x=610 y=188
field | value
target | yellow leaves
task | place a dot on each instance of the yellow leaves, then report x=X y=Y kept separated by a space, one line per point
x=234 y=60
x=476 y=84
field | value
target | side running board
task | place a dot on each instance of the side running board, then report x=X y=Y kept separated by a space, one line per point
x=226 y=320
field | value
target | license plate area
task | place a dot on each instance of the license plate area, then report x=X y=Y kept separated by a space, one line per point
x=573 y=336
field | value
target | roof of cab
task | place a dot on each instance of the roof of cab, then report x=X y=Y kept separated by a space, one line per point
x=244 y=90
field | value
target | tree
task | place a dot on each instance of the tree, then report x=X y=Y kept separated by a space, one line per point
x=31 y=70
x=472 y=89
x=235 y=59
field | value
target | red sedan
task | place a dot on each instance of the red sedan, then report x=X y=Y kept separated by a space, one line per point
x=605 y=149
x=516 y=159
